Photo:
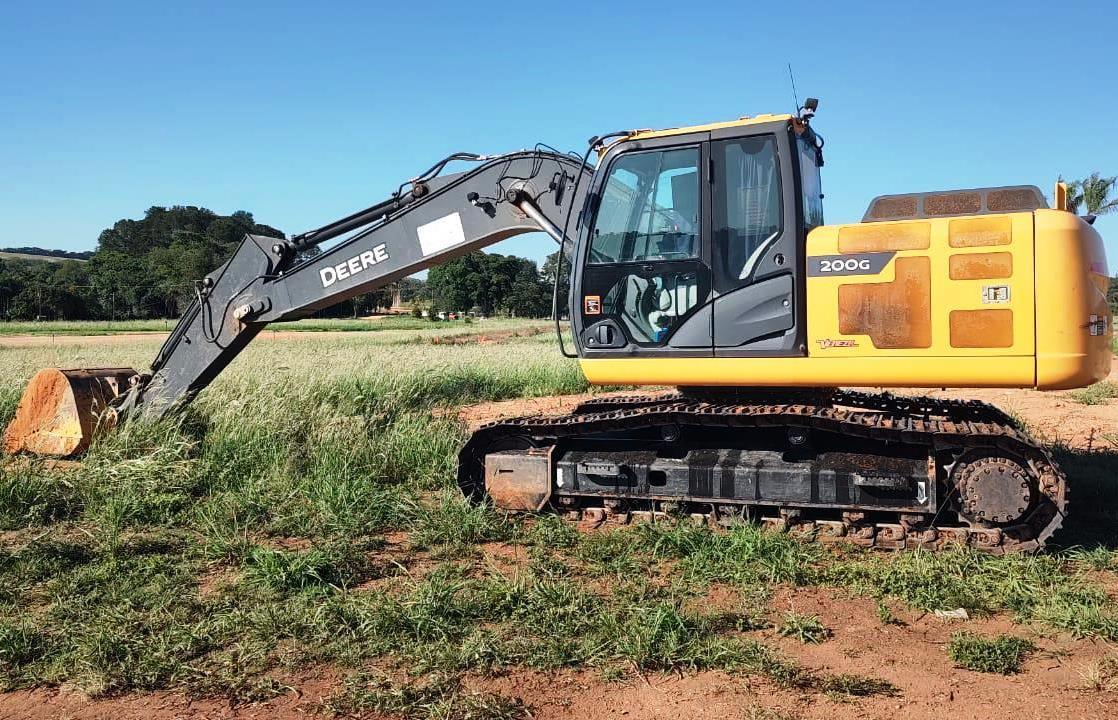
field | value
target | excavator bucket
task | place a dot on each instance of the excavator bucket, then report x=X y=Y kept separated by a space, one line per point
x=62 y=409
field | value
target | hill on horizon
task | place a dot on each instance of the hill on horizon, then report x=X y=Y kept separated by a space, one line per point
x=43 y=254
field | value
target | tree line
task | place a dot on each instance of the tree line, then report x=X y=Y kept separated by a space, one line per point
x=141 y=269
x=147 y=268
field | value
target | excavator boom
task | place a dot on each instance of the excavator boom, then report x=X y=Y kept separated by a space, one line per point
x=435 y=219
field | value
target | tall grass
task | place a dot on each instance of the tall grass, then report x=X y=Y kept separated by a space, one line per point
x=304 y=511
x=285 y=471
x=322 y=439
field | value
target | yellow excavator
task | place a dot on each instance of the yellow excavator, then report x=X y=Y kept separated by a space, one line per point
x=697 y=258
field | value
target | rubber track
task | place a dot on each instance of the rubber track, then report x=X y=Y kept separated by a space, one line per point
x=933 y=423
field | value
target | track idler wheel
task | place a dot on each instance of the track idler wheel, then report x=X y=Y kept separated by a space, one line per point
x=994 y=490
x=61 y=410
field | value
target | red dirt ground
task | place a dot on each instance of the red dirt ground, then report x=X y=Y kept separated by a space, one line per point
x=911 y=656
x=1051 y=685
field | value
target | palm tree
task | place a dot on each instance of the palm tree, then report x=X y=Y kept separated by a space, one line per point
x=1093 y=192
x=1096 y=194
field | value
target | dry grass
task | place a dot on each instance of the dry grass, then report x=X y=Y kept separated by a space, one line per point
x=376 y=324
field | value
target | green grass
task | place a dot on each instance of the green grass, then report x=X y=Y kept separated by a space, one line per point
x=456 y=522
x=83 y=327
x=808 y=629
x=304 y=513
x=335 y=566
x=1098 y=394
x=1000 y=654
x=886 y=616
x=1048 y=589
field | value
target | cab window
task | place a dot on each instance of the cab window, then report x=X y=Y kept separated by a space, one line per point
x=649 y=208
x=812 y=186
x=747 y=203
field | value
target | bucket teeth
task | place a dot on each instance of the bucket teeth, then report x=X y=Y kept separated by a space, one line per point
x=61 y=410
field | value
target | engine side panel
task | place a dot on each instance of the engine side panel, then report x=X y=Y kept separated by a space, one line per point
x=1073 y=323
x=923 y=289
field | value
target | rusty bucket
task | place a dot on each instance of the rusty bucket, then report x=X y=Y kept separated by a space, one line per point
x=61 y=410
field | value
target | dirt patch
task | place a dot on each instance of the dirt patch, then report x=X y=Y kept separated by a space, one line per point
x=216 y=580
x=286 y=544
x=912 y=656
x=489 y=338
x=474 y=416
x=719 y=695
x=1053 y=417
x=909 y=655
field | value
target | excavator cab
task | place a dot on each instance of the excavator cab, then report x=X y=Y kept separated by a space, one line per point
x=693 y=242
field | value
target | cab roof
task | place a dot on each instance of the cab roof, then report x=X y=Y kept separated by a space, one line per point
x=742 y=121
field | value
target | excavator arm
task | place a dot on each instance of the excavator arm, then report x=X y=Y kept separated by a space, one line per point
x=429 y=220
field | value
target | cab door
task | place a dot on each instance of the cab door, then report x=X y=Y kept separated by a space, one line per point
x=645 y=283
x=758 y=235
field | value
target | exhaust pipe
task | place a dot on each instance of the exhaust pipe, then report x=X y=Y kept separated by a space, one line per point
x=62 y=410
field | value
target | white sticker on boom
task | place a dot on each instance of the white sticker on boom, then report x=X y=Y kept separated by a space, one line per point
x=440 y=234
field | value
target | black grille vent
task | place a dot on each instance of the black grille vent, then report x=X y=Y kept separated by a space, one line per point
x=979 y=201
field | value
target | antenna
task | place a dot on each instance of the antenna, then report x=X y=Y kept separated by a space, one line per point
x=795 y=99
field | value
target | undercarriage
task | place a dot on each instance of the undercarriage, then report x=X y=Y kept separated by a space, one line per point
x=874 y=470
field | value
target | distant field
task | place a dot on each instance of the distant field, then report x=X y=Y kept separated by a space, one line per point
x=84 y=327
x=108 y=327
x=40 y=258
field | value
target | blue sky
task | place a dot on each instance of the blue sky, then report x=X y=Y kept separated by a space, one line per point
x=304 y=112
